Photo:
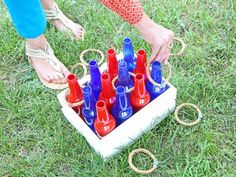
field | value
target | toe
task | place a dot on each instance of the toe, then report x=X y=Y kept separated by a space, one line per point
x=62 y=79
x=52 y=78
x=65 y=71
x=79 y=32
x=58 y=78
x=46 y=78
x=79 y=28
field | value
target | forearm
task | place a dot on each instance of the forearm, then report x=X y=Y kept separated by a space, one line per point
x=156 y=35
x=130 y=10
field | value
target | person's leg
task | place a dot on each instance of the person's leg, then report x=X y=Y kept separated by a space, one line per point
x=30 y=22
x=28 y=17
x=76 y=29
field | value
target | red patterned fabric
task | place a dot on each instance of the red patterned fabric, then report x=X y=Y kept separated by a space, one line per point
x=130 y=10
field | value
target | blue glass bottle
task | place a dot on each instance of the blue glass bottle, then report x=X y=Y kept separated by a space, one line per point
x=122 y=109
x=89 y=107
x=128 y=53
x=124 y=78
x=95 y=82
x=156 y=75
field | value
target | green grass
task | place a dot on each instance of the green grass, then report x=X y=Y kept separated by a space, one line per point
x=37 y=140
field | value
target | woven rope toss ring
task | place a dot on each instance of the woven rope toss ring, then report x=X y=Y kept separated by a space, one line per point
x=79 y=103
x=186 y=123
x=144 y=151
x=182 y=48
x=84 y=68
x=116 y=78
x=91 y=50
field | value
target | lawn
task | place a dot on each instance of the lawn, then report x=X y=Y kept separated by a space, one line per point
x=37 y=140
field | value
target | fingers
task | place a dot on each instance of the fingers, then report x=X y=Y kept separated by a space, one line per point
x=166 y=57
x=155 y=51
x=160 y=56
x=168 y=49
x=66 y=72
x=164 y=53
x=167 y=54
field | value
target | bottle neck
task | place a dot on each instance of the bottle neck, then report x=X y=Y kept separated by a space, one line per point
x=74 y=87
x=122 y=101
x=128 y=50
x=89 y=101
x=95 y=76
x=102 y=113
x=123 y=74
x=112 y=62
x=129 y=58
x=107 y=89
x=141 y=61
x=139 y=85
x=156 y=73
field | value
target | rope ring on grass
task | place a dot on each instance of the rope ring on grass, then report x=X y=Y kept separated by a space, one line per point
x=80 y=64
x=154 y=82
x=79 y=103
x=91 y=50
x=182 y=49
x=144 y=151
x=186 y=123
x=116 y=78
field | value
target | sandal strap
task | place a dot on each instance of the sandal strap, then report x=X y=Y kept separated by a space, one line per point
x=46 y=54
x=56 y=14
x=53 y=13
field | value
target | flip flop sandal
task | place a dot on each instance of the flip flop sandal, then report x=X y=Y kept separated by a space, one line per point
x=46 y=54
x=56 y=14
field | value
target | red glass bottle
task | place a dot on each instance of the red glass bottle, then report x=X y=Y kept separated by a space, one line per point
x=140 y=96
x=107 y=94
x=105 y=122
x=141 y=63
x=112 y=63
x=75 y=95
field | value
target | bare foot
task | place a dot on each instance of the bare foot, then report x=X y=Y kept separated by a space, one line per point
x=42 y=67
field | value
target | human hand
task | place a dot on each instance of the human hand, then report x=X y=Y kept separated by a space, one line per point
x=160 y=38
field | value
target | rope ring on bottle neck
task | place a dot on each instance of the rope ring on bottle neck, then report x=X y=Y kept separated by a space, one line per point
x=182 y=48
x=91 y=50
x=79 y=103
x=144 y=151
x=165 y=80
x=188 y=105
x=116 y=78
x=80 y=64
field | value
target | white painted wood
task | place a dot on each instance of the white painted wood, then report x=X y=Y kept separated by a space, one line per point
x=130 y=130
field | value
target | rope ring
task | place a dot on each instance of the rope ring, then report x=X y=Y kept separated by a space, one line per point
x=144 y=151
x=76 y=104
x=84 y=68
x=91 y=50
x=182 y=49
x=116 y=78
x=186 y=123
x=79 y=103
x=154 y=82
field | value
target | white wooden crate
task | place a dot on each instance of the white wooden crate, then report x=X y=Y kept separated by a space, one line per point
x=130 y=130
